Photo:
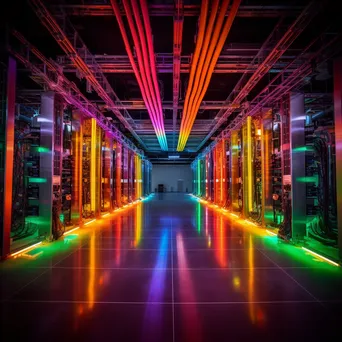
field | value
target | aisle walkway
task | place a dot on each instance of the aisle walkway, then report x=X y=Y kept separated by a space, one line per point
x=169 y=269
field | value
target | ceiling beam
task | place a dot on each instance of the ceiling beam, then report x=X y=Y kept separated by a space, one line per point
x=45 y=73
x=169 y=105
x=178 y=20
x=76 y=50
x=233 y=60
x=189 y=10
x=243 y=87
x=277 y=88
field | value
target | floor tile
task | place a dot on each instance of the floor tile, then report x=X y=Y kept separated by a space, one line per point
x=179 y=272
x=255 y=322
x=100 y=285
x=117 y=258
x=212 y=285
x=57 y=322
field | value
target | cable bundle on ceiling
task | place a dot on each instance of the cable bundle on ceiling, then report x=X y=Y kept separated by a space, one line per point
x=212 y=34
x=145 y=68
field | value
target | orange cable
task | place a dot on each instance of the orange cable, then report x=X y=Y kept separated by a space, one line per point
x=216 y=54
x=202 y=73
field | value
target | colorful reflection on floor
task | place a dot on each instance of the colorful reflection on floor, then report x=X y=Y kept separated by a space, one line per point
x=169 y=269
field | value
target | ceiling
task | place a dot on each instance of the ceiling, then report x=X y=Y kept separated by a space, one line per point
x=266 y=38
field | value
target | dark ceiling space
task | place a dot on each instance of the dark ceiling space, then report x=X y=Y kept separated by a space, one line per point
x=94 y=22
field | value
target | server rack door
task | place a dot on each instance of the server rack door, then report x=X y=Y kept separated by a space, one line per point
x=118 y=174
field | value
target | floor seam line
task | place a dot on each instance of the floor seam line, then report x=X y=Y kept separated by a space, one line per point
x=293 y=279
x=172 y=285
x=36 y=278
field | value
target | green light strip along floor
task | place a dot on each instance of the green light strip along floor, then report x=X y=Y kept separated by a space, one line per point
x=301 y=254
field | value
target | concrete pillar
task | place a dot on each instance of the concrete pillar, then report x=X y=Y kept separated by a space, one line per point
x=297 y=142
x=46 y=121
x=77 y=145
x=266 y=164
x=247 y=163
x=338 y=144
x=234 y=167
x=8 y=156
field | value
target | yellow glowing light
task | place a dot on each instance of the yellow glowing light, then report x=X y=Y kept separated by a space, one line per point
x=105 y=215
x=71 y=230
x=249 y=163
x=234 y=215
x=251 y=280
x=91 y=282
x=93 y=163
x=26 y=249
x=91 y=221
x=271 y=233
x=138 y=217
x=236 y=282
x=252 y=223
x=321 y=257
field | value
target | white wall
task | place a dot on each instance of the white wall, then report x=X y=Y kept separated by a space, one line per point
x=169 y=175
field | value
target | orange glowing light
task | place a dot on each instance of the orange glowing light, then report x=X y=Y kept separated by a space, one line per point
x=92 y=268
x=251 y=280
x=26 y=249
x=71 y=230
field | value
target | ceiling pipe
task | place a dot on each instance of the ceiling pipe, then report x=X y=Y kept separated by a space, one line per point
x=148 y=29
x=158 y=130
x=145 y=68
x=210 y=53
x=202 y=22
x=217 y=52
x=139 y=47
x=205 y=56
x=222 y=38
x=205 y=60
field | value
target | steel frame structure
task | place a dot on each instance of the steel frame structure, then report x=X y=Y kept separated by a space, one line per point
x=189 y=10
x=48 y=75
x=74 y=47
x=276 y=56
x=232 y=62
x=178 y=21
x=278 y=49
x=282 y=84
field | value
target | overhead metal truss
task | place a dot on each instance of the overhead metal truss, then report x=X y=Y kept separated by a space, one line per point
x=71 y=43
x=283 y=84
x=264 y=62
x=178 y=20
x=93 y=9
x=277 y=56
x=48 y=74
x=234 y=60
x=206 y=105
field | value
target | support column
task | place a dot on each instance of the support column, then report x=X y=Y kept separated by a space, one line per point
x=95 y=169
x=107 y=155
x=248 y=182
x=77 y=146
x=223 y=177
x=118 y=183
x=338 y=144
x=46 y=121
x=234 y=167
x=8 y=156
x=267 y=214
x=297 y=141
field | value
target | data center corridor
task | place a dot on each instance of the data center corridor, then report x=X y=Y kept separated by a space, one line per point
x=169 y=269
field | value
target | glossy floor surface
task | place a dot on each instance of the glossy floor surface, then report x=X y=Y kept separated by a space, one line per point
x=169 y=269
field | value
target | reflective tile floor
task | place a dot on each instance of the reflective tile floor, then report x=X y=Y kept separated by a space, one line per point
x=169 y=269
